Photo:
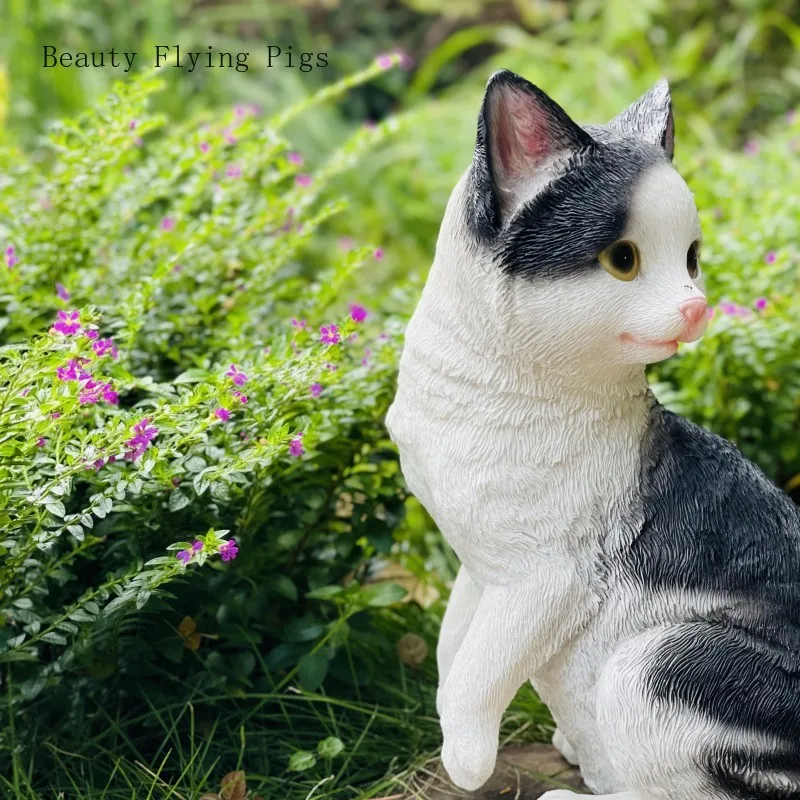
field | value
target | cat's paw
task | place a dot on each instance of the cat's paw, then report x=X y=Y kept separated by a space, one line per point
x=468 y=761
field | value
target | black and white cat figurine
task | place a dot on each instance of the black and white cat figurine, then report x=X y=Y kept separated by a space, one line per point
x=635 y=567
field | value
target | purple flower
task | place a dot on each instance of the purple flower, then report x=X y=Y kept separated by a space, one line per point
x=240 y=396
x=729 y=309
x=386 y=60
x=358 y=313
x=230 y=138
x=67 y=323
x=406 y=62
x=751 y=147
x=132 y=124
x=62 y=292
x=303 y=179
x=26 y=391
x=761 y=303
x=228 y=550
x=329 y=334
x=331 y=367
x=384 y=337
x=90 y=392
x=103 y=346
x=184 y=556
x=91 y=334
x=294 y=158
x=197 y=546
x=233 y=171
x=298 y=323
x=770 y=257
x=144 y=433
x=109 y=395
x=167 y=224
x=378 y=253
x=223 y=414
x=236 y=375
x=315 y=389
x=204 y=147
x=11 y=256
x=41 y=441
x=69 y=371
x=296 y=446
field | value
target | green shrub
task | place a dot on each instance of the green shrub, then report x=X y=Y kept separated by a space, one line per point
x=187 y=372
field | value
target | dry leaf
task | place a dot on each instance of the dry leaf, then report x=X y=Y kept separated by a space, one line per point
x=233 y=786
x=187 y=630
x=411 y=649
x=187 y=627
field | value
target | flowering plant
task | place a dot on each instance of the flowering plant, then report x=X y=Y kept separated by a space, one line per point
x=156 y=384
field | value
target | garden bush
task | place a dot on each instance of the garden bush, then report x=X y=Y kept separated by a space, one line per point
x=195 y=479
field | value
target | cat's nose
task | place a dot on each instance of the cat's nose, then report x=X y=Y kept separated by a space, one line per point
x=695 y=312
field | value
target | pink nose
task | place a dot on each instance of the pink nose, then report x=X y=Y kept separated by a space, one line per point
x=695 y=312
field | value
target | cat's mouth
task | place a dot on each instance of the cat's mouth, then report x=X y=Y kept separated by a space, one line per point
x=629 y=338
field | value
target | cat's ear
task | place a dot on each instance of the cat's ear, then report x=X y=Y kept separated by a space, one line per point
x=651 y=118
x=520 y=131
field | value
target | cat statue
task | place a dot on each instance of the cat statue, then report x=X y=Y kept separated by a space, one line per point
x=635 y=567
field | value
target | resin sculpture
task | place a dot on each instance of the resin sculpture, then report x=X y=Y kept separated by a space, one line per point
x=635 y=567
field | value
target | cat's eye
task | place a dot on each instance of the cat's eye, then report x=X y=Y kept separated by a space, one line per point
x=621 y=260
x=693 y=259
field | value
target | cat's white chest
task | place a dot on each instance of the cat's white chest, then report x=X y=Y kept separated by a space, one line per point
x=510 y=477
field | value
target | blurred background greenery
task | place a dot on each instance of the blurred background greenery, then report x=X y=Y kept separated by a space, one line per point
x=734 y=69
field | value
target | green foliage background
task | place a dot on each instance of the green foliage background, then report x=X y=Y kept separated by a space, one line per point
x=123 y=673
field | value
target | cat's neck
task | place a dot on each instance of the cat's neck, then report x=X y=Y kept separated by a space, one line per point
x=458 y=372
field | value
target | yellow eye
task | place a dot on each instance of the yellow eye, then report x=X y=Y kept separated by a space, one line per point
x=693 y=259
x=621 y=260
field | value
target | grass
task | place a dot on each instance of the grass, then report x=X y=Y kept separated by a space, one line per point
x=163 y=739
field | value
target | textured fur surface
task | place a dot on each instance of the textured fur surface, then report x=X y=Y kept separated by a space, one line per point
x=635 y=567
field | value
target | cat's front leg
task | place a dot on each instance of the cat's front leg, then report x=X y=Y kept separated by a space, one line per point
x=460 y=611
x=516 y=629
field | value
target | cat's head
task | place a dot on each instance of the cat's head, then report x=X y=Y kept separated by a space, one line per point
x=591 y=233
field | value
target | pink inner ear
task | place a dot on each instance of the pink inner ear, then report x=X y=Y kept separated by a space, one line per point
x=521 y=132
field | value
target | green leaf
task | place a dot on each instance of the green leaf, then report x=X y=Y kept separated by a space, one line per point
x=312 y=670
x=330 y=747
x=382 y=594
x=303 y=629
x=178 y=500
x=51 y=637
x=284 y=586
x=325 y=592
x=79 y=615
x=301 y=761
x=56 y=508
